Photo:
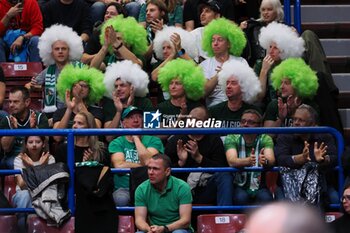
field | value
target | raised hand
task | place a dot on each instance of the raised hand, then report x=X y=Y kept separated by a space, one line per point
x=131 y=96
x=157 y=25
x=44 y=159
x=252 y=158
x=282 y=109
x=117 y=102
x=32 y=120
x=182 y=153
x=267 y=63
x=262 y=158
x=306 y=152
x=176 y=40
x=88 y=155
x=320 y=151
x=13 y=122
x=27 y=161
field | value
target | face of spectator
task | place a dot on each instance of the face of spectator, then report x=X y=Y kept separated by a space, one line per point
x=267 y=12
x=34 y=145
x=346 y=200
x=176 y=89
x=122 y=89
x=111 y=11
x=157 y=172
x=207 y=15
x=152 y=13
x=286 y=88
x=60 y=52
x=17 y=103
x=81 y=90
x=167 y=49
x=79 y=122
x=233 y=89
x=249 y=120
x=219 y=44
x=274 y=52
x=133 y=120
x=302 y=118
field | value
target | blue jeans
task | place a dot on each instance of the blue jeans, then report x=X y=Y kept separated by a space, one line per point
x=241 y=196
x=133 y=9
x=33 y=51
x=176 y=231
x=7 y=161
x=22 y=199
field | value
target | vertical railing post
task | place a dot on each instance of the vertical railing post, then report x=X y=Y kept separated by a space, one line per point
x=297 y=15
x=287 y=17
x=70 y=162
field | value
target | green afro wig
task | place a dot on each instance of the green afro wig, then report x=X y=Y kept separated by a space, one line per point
x=302 y=77
x=71 y=74
x=229 y=31
x=190 y=75
x=134 y=35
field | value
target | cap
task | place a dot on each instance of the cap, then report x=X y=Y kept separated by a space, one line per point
x=214 y=5
x=130 y=110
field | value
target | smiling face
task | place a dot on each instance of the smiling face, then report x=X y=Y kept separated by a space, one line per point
x=122 y=89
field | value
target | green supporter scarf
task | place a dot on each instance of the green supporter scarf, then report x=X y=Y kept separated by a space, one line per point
x=50 y=93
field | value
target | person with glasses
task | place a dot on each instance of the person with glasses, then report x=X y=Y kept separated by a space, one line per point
x=250 y=150
x=342 y=224
x=305 y=160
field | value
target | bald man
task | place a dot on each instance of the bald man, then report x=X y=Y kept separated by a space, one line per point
x=286 y=217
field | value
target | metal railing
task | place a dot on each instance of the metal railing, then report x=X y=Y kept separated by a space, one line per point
x=70 y=133
x=297 y=14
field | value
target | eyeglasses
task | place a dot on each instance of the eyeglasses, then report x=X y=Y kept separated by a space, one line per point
x=249 y=122
x=345 y=198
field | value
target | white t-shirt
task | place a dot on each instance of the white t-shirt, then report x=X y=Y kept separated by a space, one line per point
x=198 y=33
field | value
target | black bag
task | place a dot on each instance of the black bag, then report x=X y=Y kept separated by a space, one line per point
x=137 y=176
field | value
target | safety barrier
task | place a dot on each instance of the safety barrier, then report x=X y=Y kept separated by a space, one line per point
x=70 y=133
x=297 y=14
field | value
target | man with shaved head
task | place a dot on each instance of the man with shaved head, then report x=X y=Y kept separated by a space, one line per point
x=284 y=217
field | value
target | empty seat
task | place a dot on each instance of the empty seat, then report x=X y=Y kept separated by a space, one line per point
x=216 y=223
x=38 y=225
x=331 y=216
x=8 y=223
x=126 y=224
x=9 y=187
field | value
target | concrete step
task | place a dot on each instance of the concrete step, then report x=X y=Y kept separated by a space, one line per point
x=342 y=80
x=336 y=47
x=345 y=117
x=324 y=13
x=329 y=29
x=339 y=64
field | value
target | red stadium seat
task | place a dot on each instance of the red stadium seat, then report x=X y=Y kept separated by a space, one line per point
x=37 y=224
x=8 y=223
x=9 y=187
x=126 y=224
x=331 y=216
x=216 y=223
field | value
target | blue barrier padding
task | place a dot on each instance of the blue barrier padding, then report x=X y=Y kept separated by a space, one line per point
x=287 y=16
x=297 y=15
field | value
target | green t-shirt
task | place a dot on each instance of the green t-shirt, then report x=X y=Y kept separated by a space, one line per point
x=163 y=208
x=174 y=17
x=121 y=144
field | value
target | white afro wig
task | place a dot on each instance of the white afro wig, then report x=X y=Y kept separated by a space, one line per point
x=59 y=32
x=188 y=41
x=127 y=72
x=287 y=40
x=249 y=82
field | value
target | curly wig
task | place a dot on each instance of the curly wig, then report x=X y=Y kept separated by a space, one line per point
x=228 y=30
x=302 y=77
x=286 y=39
x=63 y=33
x=188 y=41
x=134 y=35
x=190 y=75
x=247 y=79
x=71 y=74
x=127 y=72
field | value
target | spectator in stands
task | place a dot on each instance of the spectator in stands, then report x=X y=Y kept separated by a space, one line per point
x=242 y=86
x=163 y=203
x=223 y=41
x=126 y=84
x=26 y=17
x=72 y=13
x=2 y=91
x=121 y=39
x=192 y=9
x=185 y=87
x=208 y=11
x=284 y=217
x=58 y=46
x=93 y=45
x=297 y=84
x=34 y=152
x=250 y=150
x=202 y=151
x=281 y=42
x=80 y=92
x=131 y=151
x=342 y=224
x=21 y=117
x=305 y=159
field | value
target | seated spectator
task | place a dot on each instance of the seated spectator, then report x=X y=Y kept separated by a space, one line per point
x=202 y=151
x=241 y=86
x=185 y=87
x=250 y=150
x=126 y=84
x=34 y=152
x=297 y=84
x=342 y=224
x=223 y=41
x=58 y=46
x=306 y=159
x=21 y=117
x=131 y=151
x=163 y=203
x=20 y=27
x=121 y=39
x=80 y=92
x=72 y=13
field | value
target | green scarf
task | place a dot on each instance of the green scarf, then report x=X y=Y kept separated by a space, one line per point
x=50 y=93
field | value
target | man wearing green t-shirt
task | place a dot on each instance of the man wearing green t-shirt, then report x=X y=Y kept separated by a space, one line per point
x=163 y=203
x=131 y=151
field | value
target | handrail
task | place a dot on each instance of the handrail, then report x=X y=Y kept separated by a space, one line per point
x=297 y=14
x=70 y=133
